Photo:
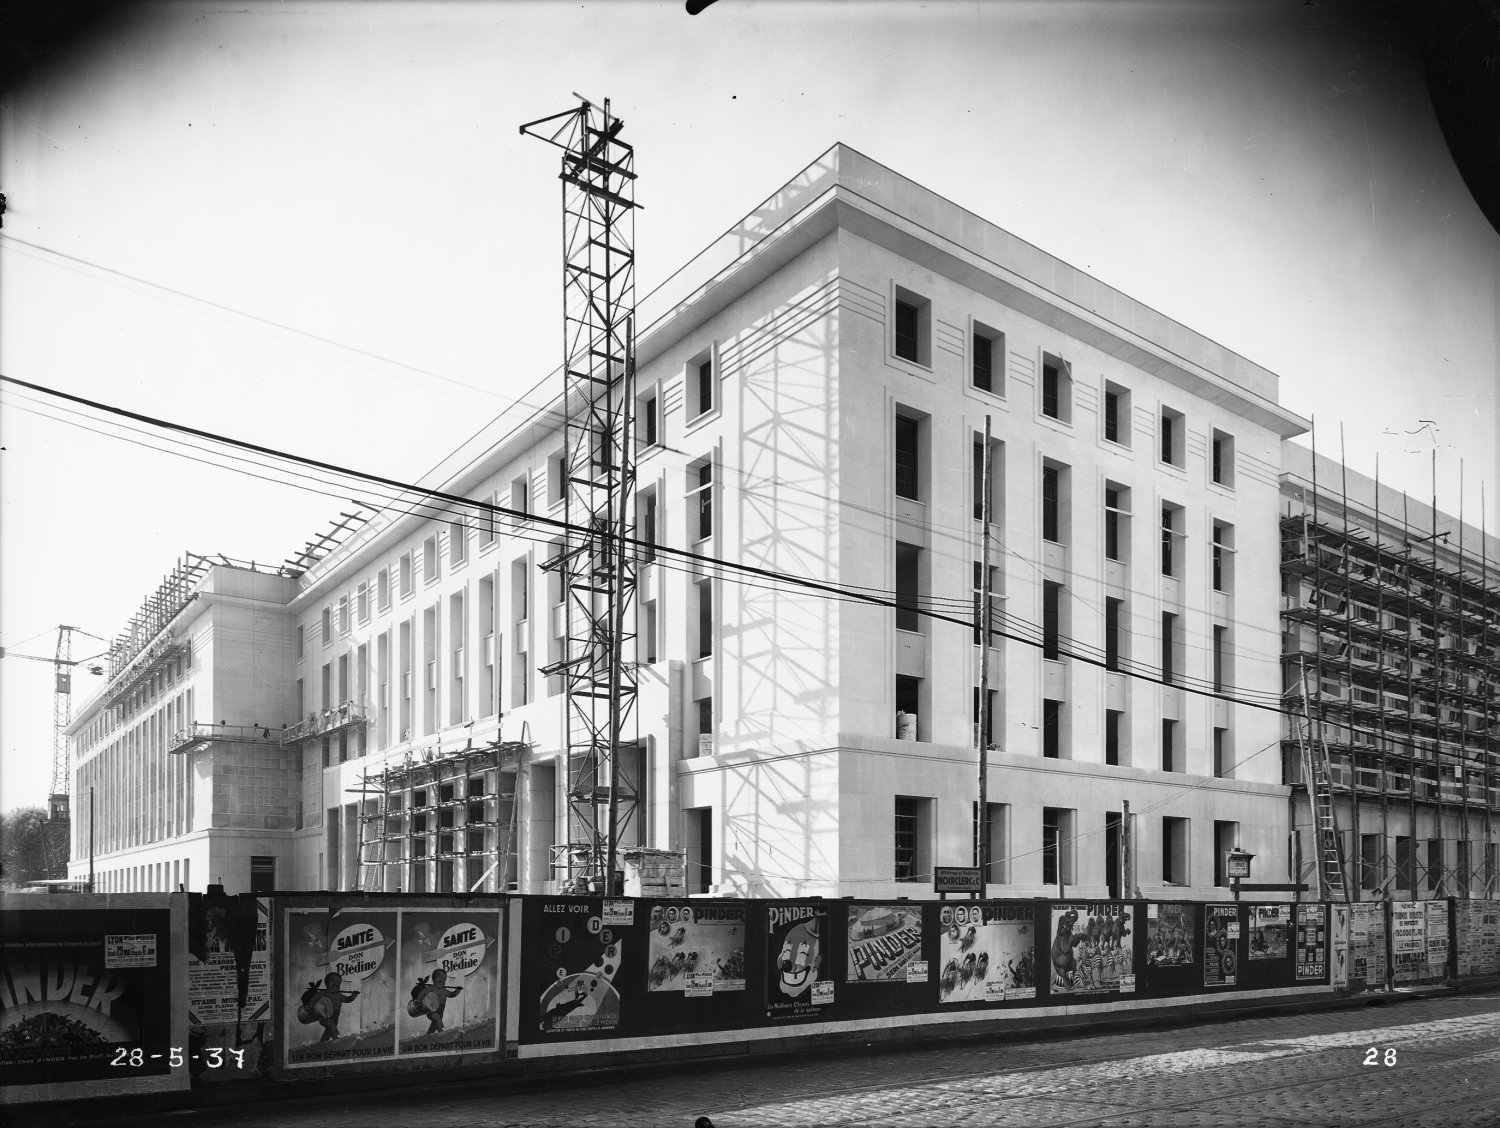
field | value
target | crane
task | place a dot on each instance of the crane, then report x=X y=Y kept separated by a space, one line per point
x=62 y=710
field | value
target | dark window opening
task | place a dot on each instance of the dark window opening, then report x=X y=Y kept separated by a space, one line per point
x=908 y=482
x=907 y=330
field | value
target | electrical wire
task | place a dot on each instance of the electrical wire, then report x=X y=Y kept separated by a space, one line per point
x=443 y=502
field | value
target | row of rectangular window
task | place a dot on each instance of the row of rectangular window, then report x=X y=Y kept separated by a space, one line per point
x=913 y=827
x=912 y=342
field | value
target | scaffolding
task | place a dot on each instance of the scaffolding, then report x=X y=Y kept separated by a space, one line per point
x=442 y=822
x=1391 y=650
x=593 y=571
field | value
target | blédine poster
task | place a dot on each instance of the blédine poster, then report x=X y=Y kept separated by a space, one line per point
x=450 y=977
x=987 y=953
x=341 y=986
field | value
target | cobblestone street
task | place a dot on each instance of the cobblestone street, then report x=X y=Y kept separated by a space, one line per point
x=1420 y=1062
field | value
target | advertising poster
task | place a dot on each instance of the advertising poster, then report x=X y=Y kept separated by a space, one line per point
x=341 y=986
x=696 y=949
x=1478 y=938
x=1221 y=943
x=580 y=961
x=1169 y=935
x=798 y=983
x=1312 y=941
x=1268 y=925
x=1367 y=943
x=1090 y=949
x=1408 y=941
x=987 y=953
x=1436 y=913
x=216 y=1017
x=1338 y=946
x=85 y=995
x=885 y=943
x=450 y=979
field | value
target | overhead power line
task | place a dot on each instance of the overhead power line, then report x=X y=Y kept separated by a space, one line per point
x=425 y=501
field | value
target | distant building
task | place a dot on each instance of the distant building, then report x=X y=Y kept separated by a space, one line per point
x=1391 y=620
x=811 y=401
x=179 y=775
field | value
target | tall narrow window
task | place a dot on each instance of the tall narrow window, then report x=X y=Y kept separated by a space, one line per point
x=1171 y=533
x=1112 y=718
x=1051 y=526
x=908 y=580
x=1051 y=378
x=1223 y=556
x=988 y=374
x=1174 y=851
x=1116 y=522
x=908 y=480
x=1222 y=458
x=1173 y=437
x=705 y=385
x=983 y=375
x=907 y=829
x=701 y=499
x=1169 y=736
x=458 y=542
x=1052 y=723
x=1112 y=613
x=1220 y=658
x=1052 y=595
x=705 y=594
x=1169 y=644
x=1117 y=414
x=913 y=327
x=1057 y=845
x=646 y=524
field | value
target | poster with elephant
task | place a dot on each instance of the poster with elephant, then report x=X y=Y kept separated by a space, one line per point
x=450 y=973
x=341 y=986
x=1169 y=935
x=987 y=953
x=798 y=980
x=1090 y=949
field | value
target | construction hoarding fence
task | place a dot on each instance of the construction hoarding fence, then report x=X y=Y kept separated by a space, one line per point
x=152 y=992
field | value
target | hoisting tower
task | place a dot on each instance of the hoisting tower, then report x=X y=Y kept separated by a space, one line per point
x=597 y=572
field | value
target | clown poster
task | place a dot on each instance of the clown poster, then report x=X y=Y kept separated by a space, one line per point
x=798 y=982
x=987 y=953
x=450 y=973
x=1169 y=935
x=1268 y=926
x=1221 y=942
x=885 y=943
x=1090 y=949
x=696 y=949
x=341 y=983
x=582 y=959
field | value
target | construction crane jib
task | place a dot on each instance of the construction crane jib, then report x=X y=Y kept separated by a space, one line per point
x=594 y=570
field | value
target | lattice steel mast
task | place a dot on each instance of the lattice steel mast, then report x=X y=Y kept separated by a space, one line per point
x=598 y=575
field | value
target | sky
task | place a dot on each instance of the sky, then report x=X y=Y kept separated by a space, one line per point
x=316 y=226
